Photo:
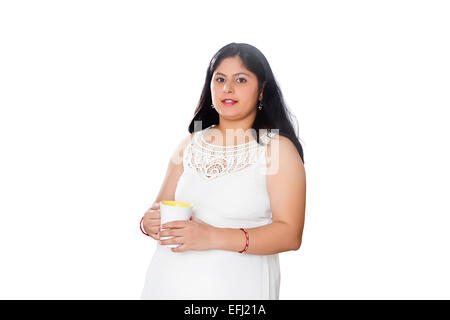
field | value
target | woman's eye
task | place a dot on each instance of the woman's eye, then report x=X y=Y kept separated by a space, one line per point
x=239 y=80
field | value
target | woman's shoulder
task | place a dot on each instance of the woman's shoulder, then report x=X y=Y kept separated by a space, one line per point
x=186 y=141
x=177 y=156
x=281 y=151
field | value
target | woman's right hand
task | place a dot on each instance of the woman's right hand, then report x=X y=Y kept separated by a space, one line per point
x=152 y=221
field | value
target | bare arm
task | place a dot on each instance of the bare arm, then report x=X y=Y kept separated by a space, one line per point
x=152 y=218
x=286 y=183
x=173 y=173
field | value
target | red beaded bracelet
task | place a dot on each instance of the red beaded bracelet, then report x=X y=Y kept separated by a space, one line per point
x=246 y=241
x=140 y=226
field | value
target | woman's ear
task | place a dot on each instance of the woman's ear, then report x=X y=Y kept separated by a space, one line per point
x=261 y=93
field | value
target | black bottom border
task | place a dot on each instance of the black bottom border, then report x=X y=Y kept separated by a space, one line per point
x=225 y=309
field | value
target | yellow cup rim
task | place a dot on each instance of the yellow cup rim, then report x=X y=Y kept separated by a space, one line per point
x=176 y=203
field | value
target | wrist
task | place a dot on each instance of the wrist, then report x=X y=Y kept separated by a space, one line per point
x=246 y=240
x=230 y=239
x=215 y=238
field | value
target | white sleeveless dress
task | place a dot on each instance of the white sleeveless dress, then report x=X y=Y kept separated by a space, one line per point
x=227 y=186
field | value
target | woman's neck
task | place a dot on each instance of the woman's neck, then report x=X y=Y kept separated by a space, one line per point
x=229 y=136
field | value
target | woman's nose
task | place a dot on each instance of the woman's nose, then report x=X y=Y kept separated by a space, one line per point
x=227 y=87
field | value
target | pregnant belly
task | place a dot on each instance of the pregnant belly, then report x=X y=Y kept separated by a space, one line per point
x=209 y=274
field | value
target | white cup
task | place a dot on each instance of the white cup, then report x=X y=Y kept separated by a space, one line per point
x=174 y=211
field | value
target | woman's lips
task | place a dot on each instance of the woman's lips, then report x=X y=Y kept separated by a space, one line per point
x=229 y=102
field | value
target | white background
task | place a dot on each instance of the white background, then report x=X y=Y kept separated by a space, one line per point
x=96 y=95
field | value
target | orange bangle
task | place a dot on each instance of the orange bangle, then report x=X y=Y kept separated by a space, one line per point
x=246 y=241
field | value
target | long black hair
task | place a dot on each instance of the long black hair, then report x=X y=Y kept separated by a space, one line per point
x=274 y=114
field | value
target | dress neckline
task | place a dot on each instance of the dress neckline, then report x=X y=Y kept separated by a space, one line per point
x=202 y=133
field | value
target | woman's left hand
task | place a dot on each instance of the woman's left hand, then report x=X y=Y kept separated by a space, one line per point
x=192 y=234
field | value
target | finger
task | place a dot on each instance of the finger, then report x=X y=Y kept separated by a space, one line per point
x=150 y=209
x=154 y=235
x=153 y=209
x=171 y=233
x=180 y=248
x=153 y=232
x=152 y=220
x=151 y=223
x=155 y=205
x=154 y=229
x=155 y=214
x=152 y=214
x=175 y=224
x=174 y=240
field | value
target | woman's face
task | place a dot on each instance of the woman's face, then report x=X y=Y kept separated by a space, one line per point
x=232 y=80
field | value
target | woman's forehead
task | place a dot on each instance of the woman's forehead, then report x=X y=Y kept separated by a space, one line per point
x=231 y=62
x=232 y=68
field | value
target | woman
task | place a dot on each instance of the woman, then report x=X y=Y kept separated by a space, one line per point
x=248 y=195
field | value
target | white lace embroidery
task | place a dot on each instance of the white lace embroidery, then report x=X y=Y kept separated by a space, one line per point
x=212 y=161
